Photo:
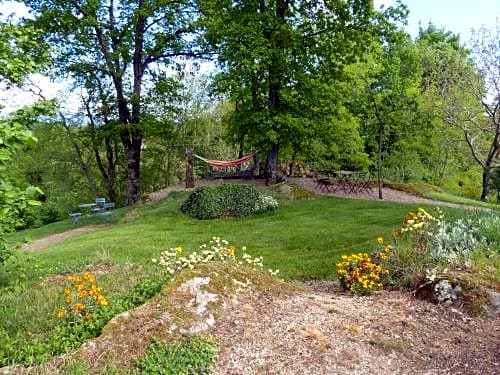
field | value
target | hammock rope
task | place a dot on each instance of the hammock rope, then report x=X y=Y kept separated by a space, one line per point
x=226 y=163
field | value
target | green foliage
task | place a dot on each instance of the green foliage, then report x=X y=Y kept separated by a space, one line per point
x=13 y=200
x=226 y=200
x=495 y=181
x=186 y=356
x=279 y=62
x=34 y=348
x=487 y=226
x=21 y=52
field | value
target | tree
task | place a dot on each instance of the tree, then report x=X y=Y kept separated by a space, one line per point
x=485 y=87
x=279 y=56
x=465 y=87
x=19 y=56
x=117 y=51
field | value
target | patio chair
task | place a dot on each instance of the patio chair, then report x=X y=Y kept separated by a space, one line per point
x=99 y=205
x=75 y=216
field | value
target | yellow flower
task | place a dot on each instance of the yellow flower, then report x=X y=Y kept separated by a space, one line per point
x=60 y=314
x=88 y=277
x=67 y=291
x=178 y=250
x=102 y=301
x=380 y=240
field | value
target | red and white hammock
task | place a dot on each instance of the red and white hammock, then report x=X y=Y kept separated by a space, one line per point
x=226 y=163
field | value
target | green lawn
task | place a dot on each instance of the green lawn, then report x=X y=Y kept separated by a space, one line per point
x=302 y=238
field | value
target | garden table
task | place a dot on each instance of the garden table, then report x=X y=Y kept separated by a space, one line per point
x=353 y=181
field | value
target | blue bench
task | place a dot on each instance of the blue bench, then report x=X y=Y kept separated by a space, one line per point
x=75 y=216
x=104 y=211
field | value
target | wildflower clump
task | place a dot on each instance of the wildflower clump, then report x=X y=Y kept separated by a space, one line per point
x=217 y=250
x=82 y=297
x=362 y=273
x=420 y=226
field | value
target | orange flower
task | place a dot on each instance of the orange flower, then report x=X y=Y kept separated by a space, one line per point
x=77 y=307
x=67 y=299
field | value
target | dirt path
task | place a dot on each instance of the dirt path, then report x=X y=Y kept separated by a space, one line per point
x=59 y=237
x=332 y=333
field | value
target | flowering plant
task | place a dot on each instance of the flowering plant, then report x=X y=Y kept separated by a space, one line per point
x=218 y=250
x=362 y=273
x=420 y=226
x=83 y=298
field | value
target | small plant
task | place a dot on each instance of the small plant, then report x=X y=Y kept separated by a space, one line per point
x=83 y=298
x=361 y=273
x=420 y=226
x=218 y=250
x=445 y=292
x=187 y=356
x=454 y=239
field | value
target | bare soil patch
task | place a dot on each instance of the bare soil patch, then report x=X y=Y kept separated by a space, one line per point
x=333 y=333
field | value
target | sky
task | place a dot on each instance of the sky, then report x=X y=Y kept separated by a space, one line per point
x=458 y=16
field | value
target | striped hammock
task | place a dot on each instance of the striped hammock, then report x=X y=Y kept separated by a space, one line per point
x=226 y=163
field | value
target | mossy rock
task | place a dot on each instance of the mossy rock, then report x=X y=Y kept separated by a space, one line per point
x=293 y=191
x=478 y=294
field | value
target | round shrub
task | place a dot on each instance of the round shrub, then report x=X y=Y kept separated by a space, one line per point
x=226 y=200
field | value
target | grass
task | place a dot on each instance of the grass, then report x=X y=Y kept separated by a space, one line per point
x=447 y=197
x=303 y=238
x=435 y=193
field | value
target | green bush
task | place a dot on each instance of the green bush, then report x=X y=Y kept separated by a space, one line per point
x=226 y=200
x=187 y=356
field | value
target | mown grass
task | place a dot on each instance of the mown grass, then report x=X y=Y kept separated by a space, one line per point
x=436 y=193
x=447 y=197
x=27 y=236
x=303 y=238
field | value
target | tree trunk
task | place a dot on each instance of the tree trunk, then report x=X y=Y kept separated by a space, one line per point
x=271 y=172
x=189 y=169
x=111 y=182
x=133 y=156
x=486 y=184
x=379 y=161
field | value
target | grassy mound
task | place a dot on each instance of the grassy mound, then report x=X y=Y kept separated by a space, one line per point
x=226 y=200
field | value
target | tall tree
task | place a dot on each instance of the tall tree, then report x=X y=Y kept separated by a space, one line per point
x=122 y=46
x=465 y=87
x=277 y=57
